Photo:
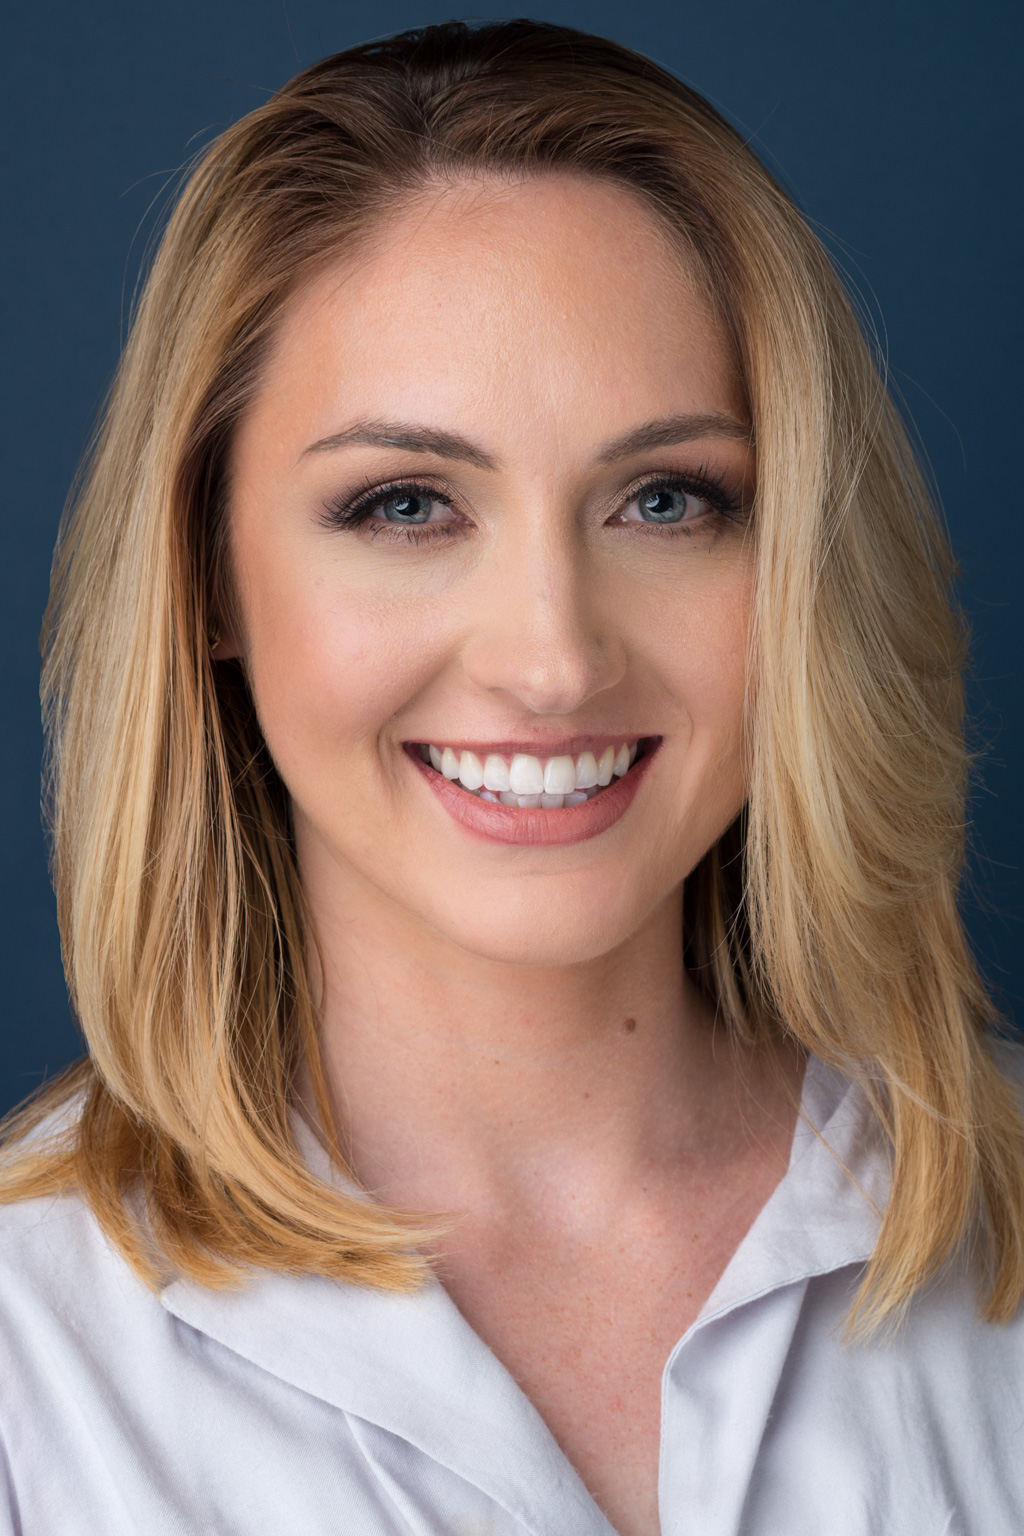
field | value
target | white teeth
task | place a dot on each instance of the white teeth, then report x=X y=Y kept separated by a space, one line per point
x=528 y=782
x=559 y=776
x=496 y=774
x=471 y=772
x=586 y=771
x=525 y=775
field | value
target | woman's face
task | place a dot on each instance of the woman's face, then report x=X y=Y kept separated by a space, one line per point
x=487 y=520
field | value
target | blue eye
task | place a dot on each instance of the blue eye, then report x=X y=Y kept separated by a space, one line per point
x=663 y=505
x=386 y=509
x=406 y=507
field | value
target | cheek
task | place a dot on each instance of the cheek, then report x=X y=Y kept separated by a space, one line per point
x=720 y=672
x=698 y=639
x=710 y=661
x=330 y=667
x=725 y=655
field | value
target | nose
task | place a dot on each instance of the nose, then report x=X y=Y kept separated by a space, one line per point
x=539 y=631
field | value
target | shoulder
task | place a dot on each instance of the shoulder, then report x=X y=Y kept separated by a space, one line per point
x=70 y=1303
x=49 y=1238
x=63 y=1286
x=97 y=1385
x=55 y=1260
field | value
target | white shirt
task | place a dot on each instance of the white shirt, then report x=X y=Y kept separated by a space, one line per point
x=300 y=1407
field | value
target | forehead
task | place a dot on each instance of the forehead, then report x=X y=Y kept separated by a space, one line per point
x=554 y=296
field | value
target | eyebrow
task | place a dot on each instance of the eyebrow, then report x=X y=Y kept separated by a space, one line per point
x=397 y=434
x=669 y=430
x=662 y=433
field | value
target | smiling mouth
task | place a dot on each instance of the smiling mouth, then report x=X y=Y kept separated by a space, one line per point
x=530 y=783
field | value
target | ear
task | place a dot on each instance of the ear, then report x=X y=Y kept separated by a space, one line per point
x=223 y=642
x=223 y=647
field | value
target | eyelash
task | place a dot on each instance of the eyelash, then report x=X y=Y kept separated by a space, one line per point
x=346 y=512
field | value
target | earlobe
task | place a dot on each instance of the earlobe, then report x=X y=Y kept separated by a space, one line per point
x=223 y=646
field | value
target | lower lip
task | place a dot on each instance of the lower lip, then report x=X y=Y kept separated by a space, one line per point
x=510 y=824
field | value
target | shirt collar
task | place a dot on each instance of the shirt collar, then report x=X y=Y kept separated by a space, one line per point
x=409 y=1364
x=412 y=1365
x=827 y=1211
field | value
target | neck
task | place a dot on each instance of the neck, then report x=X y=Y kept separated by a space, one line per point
x=461 y=1082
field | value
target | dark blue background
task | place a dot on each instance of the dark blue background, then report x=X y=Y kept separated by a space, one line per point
x=895 y=123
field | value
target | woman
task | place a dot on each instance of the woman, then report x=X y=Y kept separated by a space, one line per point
x=499 y=521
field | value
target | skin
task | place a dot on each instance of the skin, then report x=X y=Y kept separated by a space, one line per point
x=509 y=1033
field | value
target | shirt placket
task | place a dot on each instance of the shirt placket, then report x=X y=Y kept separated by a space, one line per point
x=718 y=1391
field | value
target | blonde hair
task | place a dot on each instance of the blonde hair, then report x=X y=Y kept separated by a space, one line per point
x=828 y=911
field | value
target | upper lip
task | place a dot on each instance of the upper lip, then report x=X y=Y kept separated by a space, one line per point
x=562 y=746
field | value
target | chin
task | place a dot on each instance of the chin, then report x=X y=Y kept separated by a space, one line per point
x=531 y=931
